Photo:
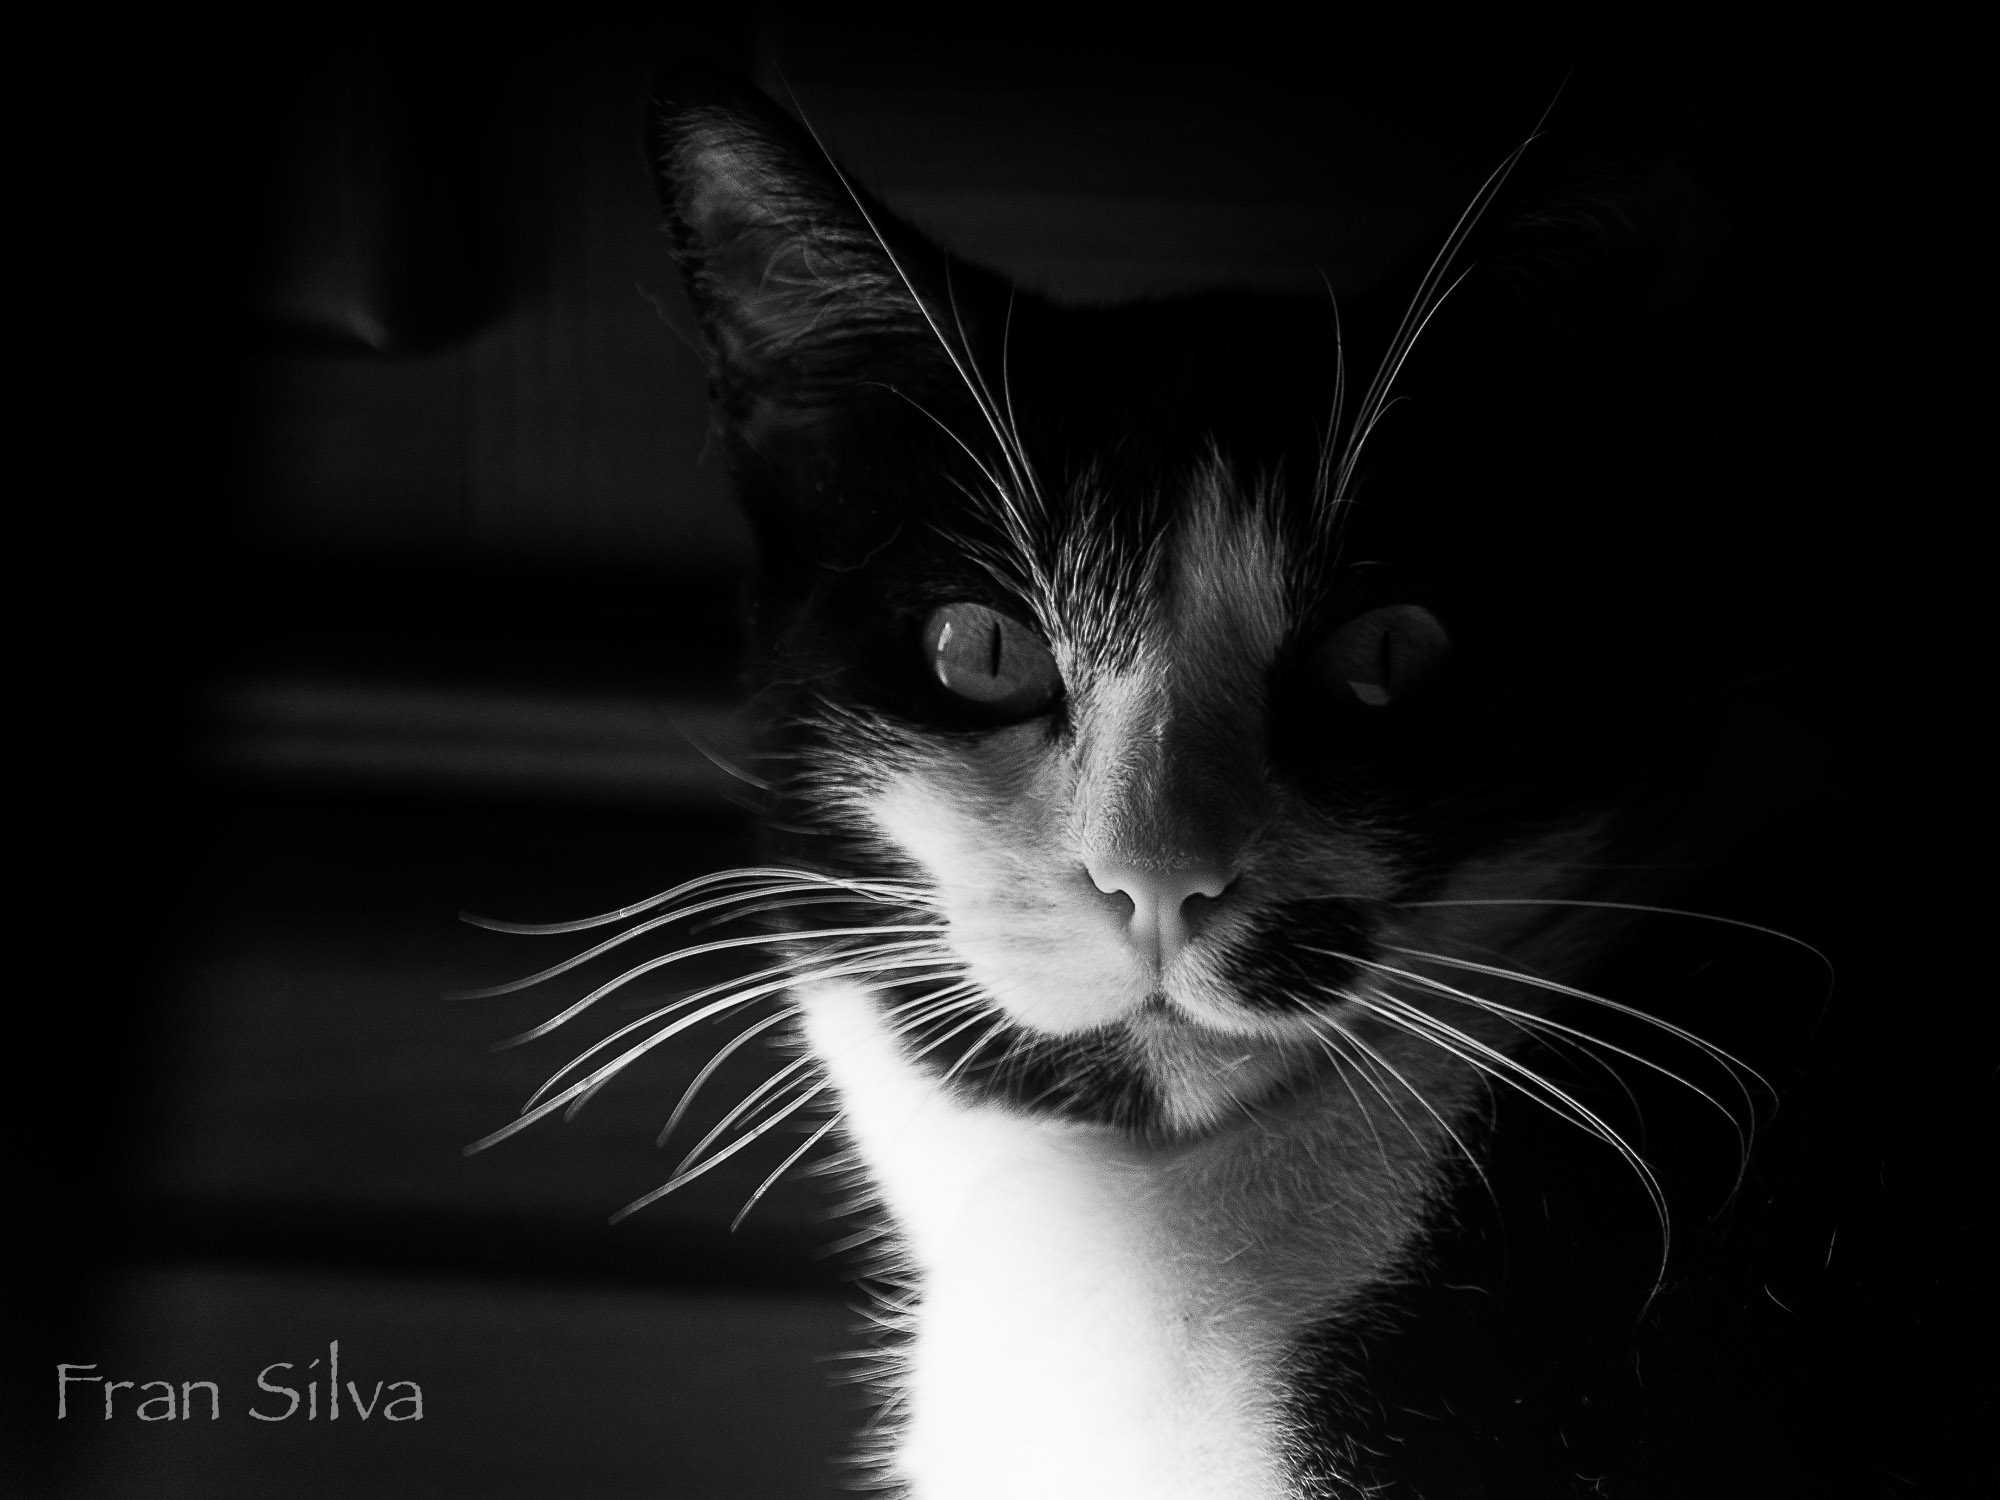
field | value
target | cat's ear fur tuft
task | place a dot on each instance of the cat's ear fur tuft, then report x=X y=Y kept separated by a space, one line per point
x=802 y=285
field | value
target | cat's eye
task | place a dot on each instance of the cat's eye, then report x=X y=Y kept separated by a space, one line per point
x=986 y=658
x=1383 y=655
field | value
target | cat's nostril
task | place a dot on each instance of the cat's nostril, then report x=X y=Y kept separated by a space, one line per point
x=1118 y=900
x=1199 y=906
x=1168 y=906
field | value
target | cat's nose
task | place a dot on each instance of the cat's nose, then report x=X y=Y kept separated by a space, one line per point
x=1165 y=913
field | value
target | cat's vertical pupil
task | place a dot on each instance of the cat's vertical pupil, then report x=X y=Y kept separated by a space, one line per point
x=984 y=657
x=1384 y=654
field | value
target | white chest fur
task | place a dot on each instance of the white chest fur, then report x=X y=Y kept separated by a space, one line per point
x=1102 y=1320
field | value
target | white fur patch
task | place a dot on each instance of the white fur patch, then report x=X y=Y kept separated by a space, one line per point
x=1102 y=1320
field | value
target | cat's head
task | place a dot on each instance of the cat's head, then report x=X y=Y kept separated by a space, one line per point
x=1193 y=722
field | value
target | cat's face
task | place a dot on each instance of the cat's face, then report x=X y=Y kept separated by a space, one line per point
x=1169 y=861
x=1192 y=749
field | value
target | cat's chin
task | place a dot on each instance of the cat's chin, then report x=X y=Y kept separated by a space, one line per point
x=1205 y=1078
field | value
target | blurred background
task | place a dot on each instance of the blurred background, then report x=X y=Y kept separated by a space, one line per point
x=371 y=566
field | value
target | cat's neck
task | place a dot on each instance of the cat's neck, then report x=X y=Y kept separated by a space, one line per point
x=1097 y=1319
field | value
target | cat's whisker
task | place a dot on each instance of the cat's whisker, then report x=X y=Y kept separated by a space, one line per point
x=720 y=761
x=682 y=1178
x=637 y=908
x=914 y=1011
x=1735 y=1068
x=1473 y=1050
x=1008 y=568
x=971 y=1012
x=733 y=1000
x=783 y=1167
x=709 y=1069
x=881 y=890
x=944 y=1003
x=968 y=995
x=1007 y=394
x=652 y=924
x=1422 y=304
x=753 y=986
x=1551 y=1033
x=1544 y=1027
x=719 y=945
x=1364 y=1049
x=747 y=1107
x=744 y=987
x=590 y=1081
x=1636 y=907
x=1392 y=367
x=1373 y=1061
x=911 y=1021
x=965 y=1058
x=1345 y=1065
x=1330 y=438
x=1009 y=438
x=576 y=1104
x=1001 y=492
x=959 y=356
x=1526 y=1081
x=791 y=903
x=997 y=1032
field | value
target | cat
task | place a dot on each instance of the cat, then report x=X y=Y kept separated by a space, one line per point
x=1236 y=759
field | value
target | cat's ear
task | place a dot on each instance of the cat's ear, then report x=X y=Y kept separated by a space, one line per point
x=1616 y=206
x=804 y=287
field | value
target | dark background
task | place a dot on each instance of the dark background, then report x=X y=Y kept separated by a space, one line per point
x=367 y=567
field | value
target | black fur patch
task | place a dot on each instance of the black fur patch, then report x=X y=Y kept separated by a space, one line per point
x=1092 y=1079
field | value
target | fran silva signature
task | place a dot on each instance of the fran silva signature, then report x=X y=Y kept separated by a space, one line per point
x=312 y=1392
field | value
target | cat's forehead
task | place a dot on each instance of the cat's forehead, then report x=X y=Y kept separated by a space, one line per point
x=1204 y=589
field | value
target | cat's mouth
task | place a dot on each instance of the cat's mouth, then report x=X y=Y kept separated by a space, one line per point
x=1164 y=1070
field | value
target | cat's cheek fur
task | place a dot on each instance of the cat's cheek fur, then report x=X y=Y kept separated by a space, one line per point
x=1528 y=901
